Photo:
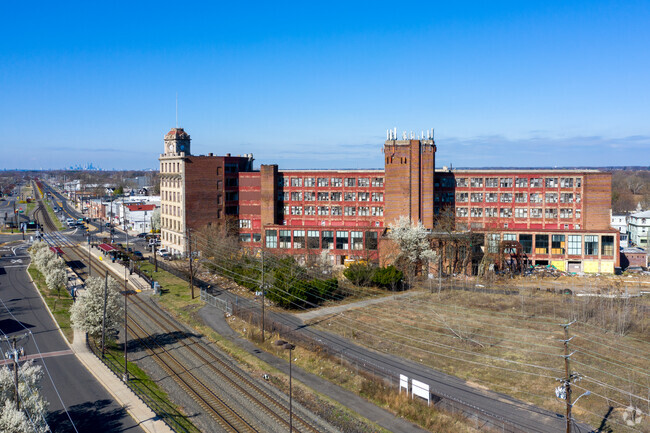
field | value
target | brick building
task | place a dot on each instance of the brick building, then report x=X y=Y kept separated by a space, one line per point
x=560 y=217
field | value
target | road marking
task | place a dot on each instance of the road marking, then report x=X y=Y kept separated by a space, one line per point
x=39 y=356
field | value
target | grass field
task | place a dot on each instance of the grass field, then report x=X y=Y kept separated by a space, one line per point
x=512 y=344
x=58 y=303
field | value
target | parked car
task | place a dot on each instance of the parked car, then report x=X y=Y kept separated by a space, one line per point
x=163 y=252
x=142 y=235
x=138 y=255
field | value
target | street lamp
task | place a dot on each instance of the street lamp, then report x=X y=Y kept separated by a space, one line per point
x=290 y=347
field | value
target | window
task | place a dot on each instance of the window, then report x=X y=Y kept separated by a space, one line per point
x=350 y=181
x=493 y=242
x=541 y=244
x=357 y=240
x=232 y=181
x=377 y=196
x=283 y=181
x=323 y=181
x=557 y=244
x=327 y=240
x=336 y=210
x=310 y=210
x=509 y=237
x=577 y=197
x=313 y=239
x=364 y=196
x=608 y=246
x=461 y=212
x=551 y=197
x=220 y=184
x=377 y=211
x=566 y=182
x=299 y=239
x=364 y=181
x=536 y=182
x=285 y=238
x=296 y=210
x=461 y=197
x=244 y=224
x=296 y=181
x=364 y=211
x=491 y=197
x=476 y=197
x=506 y=197
x=521 y=212
x=296 y=196
x=341 y=240
x=521 y=197
x=505 y=182
x=286 y=209
x=505 y=212
x=447 y=182
x=535 y=197
x=284 y=196
x=491 y=182
x=578 y=182
x=526 y=242
x=257 y=237
x=491 y=212
x=323 y=196
x=550 y=213
x=476 y=182
x=323 y=210
x=245 y=237
x=230 y=168
x=476 y=212
x=521 y=182
x=551 y=182
x=349 y=196
x=535 y=212
x=591 y=245
x=461 y=182
x=310 y=196
x=350 y=210
x=578 y=214
x=566 y=213
x=566 y=197
x=336 y=196
x=371 y=240
x=310 y=181
x=271 y=239
x=575 y=245
x=337 y=181
x=378 y=181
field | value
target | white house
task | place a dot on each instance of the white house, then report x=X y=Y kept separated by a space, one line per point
x=138 y=216
x=638 y=225
x=619 y=222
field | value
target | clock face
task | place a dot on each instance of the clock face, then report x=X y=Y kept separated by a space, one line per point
x=182 y=147
x=170 y=148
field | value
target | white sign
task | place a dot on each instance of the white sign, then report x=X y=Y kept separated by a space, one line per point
x=421 y=389
x=403 y=383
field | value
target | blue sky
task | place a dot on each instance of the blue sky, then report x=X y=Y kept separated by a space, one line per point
x=316 y=85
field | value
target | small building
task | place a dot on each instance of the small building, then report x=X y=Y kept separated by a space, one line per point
x=633 y=257
x=639 y=228
x=619 y=222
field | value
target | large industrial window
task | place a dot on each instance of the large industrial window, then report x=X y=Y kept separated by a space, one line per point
x=364 y=181
x=336 y=196
x=364 y=196
x=566 y=182
x=575 y=245
x=536 y=182
x=506 y=197
x=608 y=246
x=566 y=213
x=591 y=245
x=364 y=211
x=535 y=212
x=476 y=197
x=310 y=196
x=350 y=210
x=244 y=237
x=541 y=244
x=491 y=212
x=313 y=239
x=521 y=182
x=296 y=196
x=505 y=182
x=371 y=240
x=323 y=210
x=505 y=212
x=509 y=237
x=349 y=196
x=323 y=196
x=551 y=197
x=491 y=182
x=493 y=242
x=285 y=238
x=327 y=239
x=461 y=212
x=491 y=197
x=557 y=244
x=296 y=181
x=521 y=197
x=271 y=239
x=566 y=197
x=535 y=197
x=377 y=181
x=299 y=239
x=341 y=240
x=310 y=210
x=550 y=213
x=309 y=181
x=377 y=196
x=357 y=240
x=476 y=182
x=551 y=182
x=461 y=182
x=336 y=210
x=350 y=181
x=377 y=211
x=476 y=212
x=526 y=242
x=521 y=212
x=337 y=181
x=323 y=181
x=461 y=197
x=296 y=210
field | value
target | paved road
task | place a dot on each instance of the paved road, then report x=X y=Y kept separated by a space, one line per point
x=524 y=416
x=90 y=406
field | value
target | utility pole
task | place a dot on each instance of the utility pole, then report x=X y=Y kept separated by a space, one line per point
x=104 y=314
x=189 y=241
x=15 y=358
x=155 y=258
x=262 y=288
x=567 y=374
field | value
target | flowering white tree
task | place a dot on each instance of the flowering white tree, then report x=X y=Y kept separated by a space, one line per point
x=87 y=312
x=55 y=275
x=30 y=418
x=414 y=247
x=155 y=220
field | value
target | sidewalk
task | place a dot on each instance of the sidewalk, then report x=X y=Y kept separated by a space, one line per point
x=118 y=270
x=140 y=412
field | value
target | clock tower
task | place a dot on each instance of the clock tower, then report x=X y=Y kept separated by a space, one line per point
x=177 y=141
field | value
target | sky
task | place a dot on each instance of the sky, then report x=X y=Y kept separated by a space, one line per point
x=317 y=84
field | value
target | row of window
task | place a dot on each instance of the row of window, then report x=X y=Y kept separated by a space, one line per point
x=330 y=196
x=518 y=197
x=170 y=224
x=334 y=210
x=334 y=181
x=167 y=209
x=519 y=182
x=170 y=237
x=171 y=196
x=326 y=239
x=175 y=183
x=170 y=167
x=556 y=244
x=519 y=212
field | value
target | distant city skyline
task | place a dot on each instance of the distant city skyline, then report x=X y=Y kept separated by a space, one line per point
x=316 y=85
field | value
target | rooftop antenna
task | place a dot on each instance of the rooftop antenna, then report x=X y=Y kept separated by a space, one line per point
x=176 y=110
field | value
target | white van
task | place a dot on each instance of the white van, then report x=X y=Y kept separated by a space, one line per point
x=70 y=222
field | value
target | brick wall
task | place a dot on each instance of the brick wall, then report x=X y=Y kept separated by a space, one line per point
x=597 y=201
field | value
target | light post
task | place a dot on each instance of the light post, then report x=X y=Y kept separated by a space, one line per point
x=288 y=346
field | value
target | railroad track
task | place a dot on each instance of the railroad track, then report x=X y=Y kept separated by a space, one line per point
x=217 y=365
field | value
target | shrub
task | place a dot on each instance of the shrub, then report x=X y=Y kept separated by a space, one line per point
x=360 y=274
x=388 y=277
